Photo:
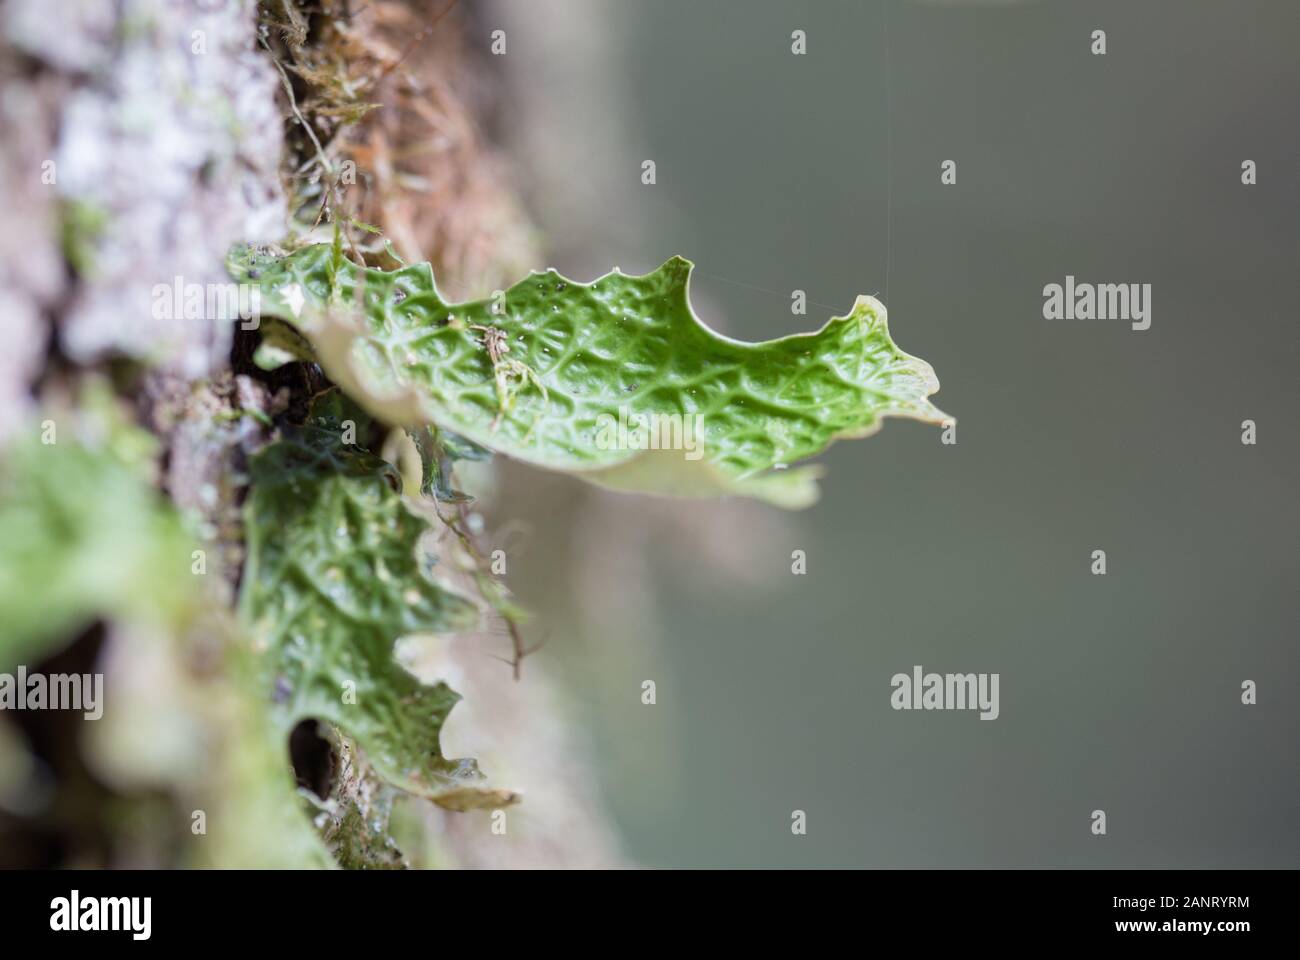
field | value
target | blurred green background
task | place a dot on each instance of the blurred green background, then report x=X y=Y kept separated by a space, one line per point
x=774 y=171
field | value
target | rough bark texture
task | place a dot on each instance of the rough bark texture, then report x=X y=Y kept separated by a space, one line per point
x=161 y=121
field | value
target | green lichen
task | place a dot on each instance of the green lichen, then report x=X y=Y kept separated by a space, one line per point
x=336 y=575
x=583 y=377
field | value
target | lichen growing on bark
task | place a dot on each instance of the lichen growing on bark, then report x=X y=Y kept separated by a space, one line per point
x=162 y=124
